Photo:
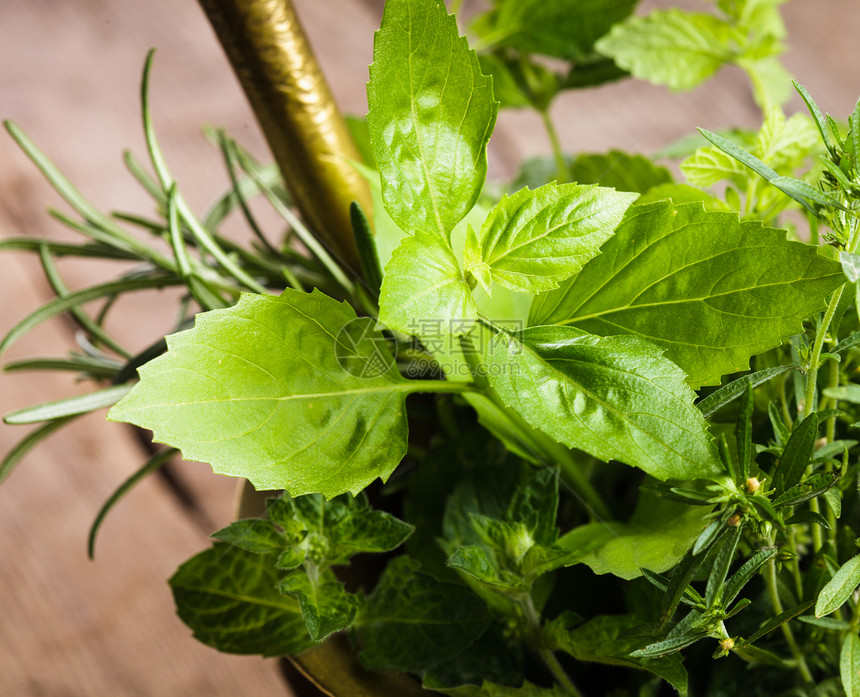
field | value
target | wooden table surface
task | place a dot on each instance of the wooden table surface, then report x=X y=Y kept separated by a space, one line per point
x=69 y=76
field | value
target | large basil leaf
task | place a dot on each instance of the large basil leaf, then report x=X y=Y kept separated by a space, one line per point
x=711 y=290
x=617 y=398
x=292 y=392
x=230 y=599
x=431 y=114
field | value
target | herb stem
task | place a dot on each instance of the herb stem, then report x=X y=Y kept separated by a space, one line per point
x=558 y=154
x=546 y=654
x=773 y=593
x=821 y=332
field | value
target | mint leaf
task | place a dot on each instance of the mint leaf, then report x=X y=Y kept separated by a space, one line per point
x=491 y=689
x=607 y=639
x=482 y=565
x=670 y=47
x=326 y=606
x=710 y=289
x=559 y=28
x=616 y=398
x=230 y=599
x=655 y=538
x=291 y=392
x=252 y=535
x=371 y=531
x=532 y=240
x=431 y=113
x=413 y=622
x=423 y=290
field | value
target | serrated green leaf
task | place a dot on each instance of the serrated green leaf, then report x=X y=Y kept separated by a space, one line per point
x=431 y=113
x=839 y=588
x=423 y=290
x=253 y=535
x=849 y=664
x=670 y=47
x=606 y=639
x=613 y=397
x=491 y=689
x=535 y=505
x=481 y=564
x=560 y=28
x=371 y=531
x=532 y=240
x=258 y=391
x=709 y=165
x=230 y=600
x=325 y=604
x=412 y=621
x=710 y=289
x=618 y=170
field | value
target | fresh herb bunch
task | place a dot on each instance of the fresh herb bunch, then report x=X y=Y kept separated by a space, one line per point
x=576 y=350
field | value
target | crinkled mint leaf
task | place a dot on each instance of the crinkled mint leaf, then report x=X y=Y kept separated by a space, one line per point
x=616 y=398
x=431 y=113
x=711 y=290
x=372 y=531
x=482 y=565
x=291 y=392
x=413 y=622
x=326 y=606
x=230 y=600
x=532 y=240
x=606 y=639
x=560 y=28
x=423 y=290
x=670 y=47
x=253 y=535
x=491 y=689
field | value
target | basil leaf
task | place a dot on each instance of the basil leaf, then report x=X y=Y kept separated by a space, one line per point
x=839 y=588
x=532 y=240
x=424 y=292
x=670 y=47
x=616 y=398
x=230 y=599
x=431 y=113
x=711 y=289
x=291 y=392
x=413 y=622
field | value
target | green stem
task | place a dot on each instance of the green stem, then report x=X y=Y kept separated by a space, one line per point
x=557 y=152
x=546 y=654
x=773 y=593
x=542 y=448
x=821 y=332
